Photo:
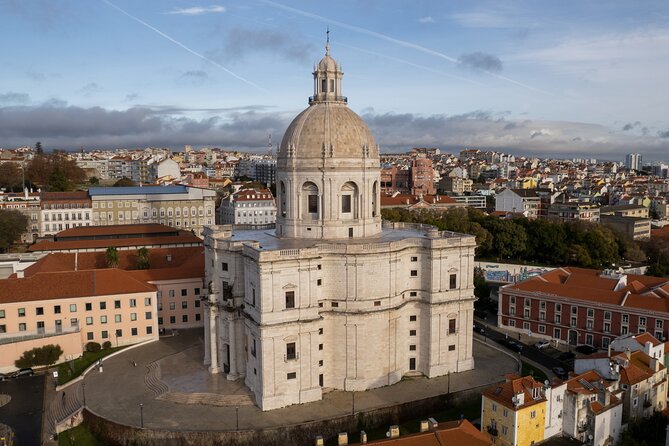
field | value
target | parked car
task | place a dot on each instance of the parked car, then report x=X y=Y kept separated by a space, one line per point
x=516 y=347
x=542 y=344
x=24 y=372
x=5 y=376
x=479 y=328
x=586 y=349
x=560 y=372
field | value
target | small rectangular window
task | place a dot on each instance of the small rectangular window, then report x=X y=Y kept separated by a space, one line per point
x=39 y=311
x=451 y=347
x=56 y=309
x=335 y=304
x=345 y=204
x=412 y=318
x=412 y=348
x=117 y=304
x=290 y=299
x=291 y=375
x=413 y=293
x=291 y=353
x=313 y=204
x=414 y=259
x=412 y=332
x=377 y=303
x=453 y=281
x=73 y=308
x=414 y=273
x=451 y=326
x=103 y=305
x=319 y=282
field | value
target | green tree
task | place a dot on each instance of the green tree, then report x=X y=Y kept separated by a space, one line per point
x=143 y=258
x=12 y=224
x=94 y=180
x=509 y=238
x=38 y=148
x=58 y=181
x=111 y=257
x=125 y=182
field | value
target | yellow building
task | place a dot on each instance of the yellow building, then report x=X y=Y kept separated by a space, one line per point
x=514 y=412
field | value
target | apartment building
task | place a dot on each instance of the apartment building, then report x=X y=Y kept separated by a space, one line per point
x=513 y=413
x=248 y=207
x=573 y=211
x=72 y=308
x=585 y=306
x=522 y=201
x=64 y=210
x=181 y=207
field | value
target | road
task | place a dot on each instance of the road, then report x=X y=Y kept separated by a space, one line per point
x=546 y=357
x=24 y=412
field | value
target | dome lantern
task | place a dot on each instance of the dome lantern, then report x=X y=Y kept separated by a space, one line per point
x=327 y=78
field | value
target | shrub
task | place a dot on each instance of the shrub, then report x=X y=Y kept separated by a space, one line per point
x=45 y=355
x=106 y=345
x=93 y=347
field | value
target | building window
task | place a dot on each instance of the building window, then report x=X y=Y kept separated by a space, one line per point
x=335 y=304
x=103 y=305
x=642 y=321
x=607 y=327
x=589 y=324
x=658 y=324
x=133 y=302
x=173 y=305
x=512 y=311
x=526 y=313
x=412 y=332
x=2 y=314
x=89 y=320
x=89 y=336
x=184 y=292
x=56 y=309
x=451 y=326
x=605 y=342
x=147 y=301
x=607 y=315
x=414 y=273
x=184 y=304
x=574 y=310
x=184 y=318
x=414 y=258
x=512 y=300
x=624 y=330
x=526 y=325
x=73 y=308
x=528 y=302
x=626 y=318
x=173 y=319
x=103 y=319
x=345 y=204
x=291 y=375
x=412 y=318
x=149 y=330
x=320 y=346
x=147 y=315
x=558 y=319
x=313 y=204
x=542 y=315
x=533 y=414
x=542 y=329
x=558 y=307
x=588 y=339
x=133 y=331
x=104 y=334
x=453 y=279
x=542 y=305
x=319 y=282
x=573 y=322
x=412 y=348
x=22 y=326
x=290 y=299
x=39 y=311
x=117 y=304
x=412 y=363
x=556 y=333
x=451 y=347
x=591 y=312
x=290 y=351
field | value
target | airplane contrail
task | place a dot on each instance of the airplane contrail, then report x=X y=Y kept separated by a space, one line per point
x=387 y=38
x=422 y=67
x=176 y=42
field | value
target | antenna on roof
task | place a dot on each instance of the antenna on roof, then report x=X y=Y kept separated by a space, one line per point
x=269 y=145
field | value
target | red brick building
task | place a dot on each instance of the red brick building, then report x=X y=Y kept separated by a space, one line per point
x=586 y=306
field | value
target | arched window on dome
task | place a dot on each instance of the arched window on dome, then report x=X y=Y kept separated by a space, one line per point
x=331 y=85
x=282 y=199
x=310 y=199
x=375 y=194
x=349 y=200
x=324 y=86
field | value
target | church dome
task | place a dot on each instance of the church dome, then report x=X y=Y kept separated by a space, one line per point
x=328 y=64
x=330 y=129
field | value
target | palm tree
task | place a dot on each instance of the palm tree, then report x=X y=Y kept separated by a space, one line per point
x=143 y=258
x=111 y=256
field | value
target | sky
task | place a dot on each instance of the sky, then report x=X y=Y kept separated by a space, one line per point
x=541 y=78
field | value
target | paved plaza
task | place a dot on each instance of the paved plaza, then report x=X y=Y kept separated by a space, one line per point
x=177 y=392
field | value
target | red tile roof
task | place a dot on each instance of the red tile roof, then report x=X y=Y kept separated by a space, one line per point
x=61 y=285
x=642 y=292
x=253 y=195
x=111 y=230
x=503 y=393
x=183 y=238
x=451 y=433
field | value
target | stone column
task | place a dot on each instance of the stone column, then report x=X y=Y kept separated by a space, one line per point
x=234 y=344
x=207 y=338
x=213 y=336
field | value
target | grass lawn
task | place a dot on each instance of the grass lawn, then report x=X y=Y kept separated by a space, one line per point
x=538 y=375
x=67 y=372
x=78 y=436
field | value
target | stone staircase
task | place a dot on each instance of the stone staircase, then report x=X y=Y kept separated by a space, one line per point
x=65 y=404
x=153 y=382
x=208 y=399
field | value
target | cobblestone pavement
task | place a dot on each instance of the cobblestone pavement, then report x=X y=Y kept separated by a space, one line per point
x=117 y=392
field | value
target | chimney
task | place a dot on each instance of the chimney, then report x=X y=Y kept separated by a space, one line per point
x=424 y=425
x=319 y=441
x=363 y=437
x=342 y=439
x=393 y=431
x=654 y=364
x=628 y=353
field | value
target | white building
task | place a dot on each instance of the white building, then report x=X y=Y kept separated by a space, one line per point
x=332 y=298
x=633 y=161
x=522 y=201
x=248 y=207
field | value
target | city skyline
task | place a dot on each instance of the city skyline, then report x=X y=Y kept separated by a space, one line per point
x=569 y=80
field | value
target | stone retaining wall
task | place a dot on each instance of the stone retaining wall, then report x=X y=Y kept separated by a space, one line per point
x=304 y=434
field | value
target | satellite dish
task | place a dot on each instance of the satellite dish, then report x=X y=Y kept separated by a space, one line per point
x=388 y=434
x=547 y=383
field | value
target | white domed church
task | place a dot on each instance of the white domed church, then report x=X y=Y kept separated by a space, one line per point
x=334 y=298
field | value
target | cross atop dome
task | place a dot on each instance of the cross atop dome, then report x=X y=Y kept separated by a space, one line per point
x=327 y=42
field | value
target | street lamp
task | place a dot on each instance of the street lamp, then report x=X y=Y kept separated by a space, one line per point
x=83 y=388
x=141 y=415
x=237 y=413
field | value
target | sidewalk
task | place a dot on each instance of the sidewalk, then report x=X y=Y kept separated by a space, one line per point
x=121 y=394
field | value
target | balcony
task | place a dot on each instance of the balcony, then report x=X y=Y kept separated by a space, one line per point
x=492 y=430
x=291 y=357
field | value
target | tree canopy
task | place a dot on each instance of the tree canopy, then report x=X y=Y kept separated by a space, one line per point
x=55 y=172
x=549 y=242
x=12 y=224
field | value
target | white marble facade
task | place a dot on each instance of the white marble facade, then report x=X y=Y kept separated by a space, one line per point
x=334 y=298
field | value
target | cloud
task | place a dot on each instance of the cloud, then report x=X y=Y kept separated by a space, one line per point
x=12 y=97
x=630 y=126
x=426 y=19
x=66 y=127
x=481 y=61
x=537 y=133
x=241 y=42
x=130 y=97
x=195 y=77
x=197 y=10
x=90 y=89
